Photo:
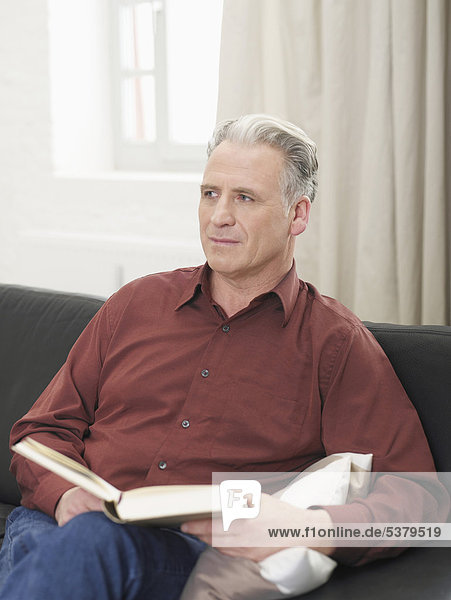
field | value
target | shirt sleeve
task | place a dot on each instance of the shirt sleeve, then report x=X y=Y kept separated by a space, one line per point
x=61 y=416
x=366 y=410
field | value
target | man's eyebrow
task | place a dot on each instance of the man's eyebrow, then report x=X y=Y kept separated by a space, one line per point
x=206 y=186
x=235 y=190
x=246 y=191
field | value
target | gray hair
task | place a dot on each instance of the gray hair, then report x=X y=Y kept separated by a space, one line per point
x=299 y=176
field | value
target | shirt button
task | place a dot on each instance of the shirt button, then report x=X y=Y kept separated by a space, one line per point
x=185 y=423
x=205 y=373
x=225 y=328
x=162 y=465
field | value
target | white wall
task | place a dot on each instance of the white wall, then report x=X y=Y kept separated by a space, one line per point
x=64 y=223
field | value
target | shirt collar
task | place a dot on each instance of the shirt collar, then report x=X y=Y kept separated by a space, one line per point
x=199 y=278
x=287 y=290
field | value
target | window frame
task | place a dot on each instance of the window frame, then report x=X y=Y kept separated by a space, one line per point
x=161 y=155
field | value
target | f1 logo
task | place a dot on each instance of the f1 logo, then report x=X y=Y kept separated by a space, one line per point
x=240 y=499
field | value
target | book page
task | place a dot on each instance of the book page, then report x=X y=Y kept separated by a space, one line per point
x=169 y=503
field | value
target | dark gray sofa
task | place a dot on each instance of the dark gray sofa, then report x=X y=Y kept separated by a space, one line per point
x=38 y=327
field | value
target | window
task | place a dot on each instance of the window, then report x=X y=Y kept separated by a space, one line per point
x=165 y=77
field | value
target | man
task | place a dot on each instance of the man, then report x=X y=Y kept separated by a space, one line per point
x=234 y=366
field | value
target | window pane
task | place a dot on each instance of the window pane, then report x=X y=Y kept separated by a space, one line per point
x=138 y=108
x=137 y=36
x=193 y=41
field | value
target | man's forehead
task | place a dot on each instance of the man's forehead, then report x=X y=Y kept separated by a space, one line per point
x=244 y=160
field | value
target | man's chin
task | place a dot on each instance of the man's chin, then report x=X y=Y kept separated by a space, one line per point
x=223 y=265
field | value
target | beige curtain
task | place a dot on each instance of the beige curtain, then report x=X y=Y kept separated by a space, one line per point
x=369 y=80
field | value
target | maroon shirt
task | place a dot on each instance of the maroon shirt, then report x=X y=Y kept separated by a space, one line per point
x=161 y=388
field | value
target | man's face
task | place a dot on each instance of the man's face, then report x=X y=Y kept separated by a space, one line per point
x=244 y=230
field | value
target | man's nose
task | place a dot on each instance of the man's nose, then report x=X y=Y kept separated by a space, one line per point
x=223 y=213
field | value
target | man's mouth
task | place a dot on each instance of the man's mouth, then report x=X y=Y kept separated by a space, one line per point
x=223 y=241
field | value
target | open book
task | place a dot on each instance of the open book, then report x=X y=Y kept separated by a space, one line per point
x=161 y=505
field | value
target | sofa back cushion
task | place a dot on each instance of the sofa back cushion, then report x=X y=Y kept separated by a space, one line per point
x=421 y=357
x=37 y=330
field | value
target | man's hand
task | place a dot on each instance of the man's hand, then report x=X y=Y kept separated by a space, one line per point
x=271 y=510
x=74 y=502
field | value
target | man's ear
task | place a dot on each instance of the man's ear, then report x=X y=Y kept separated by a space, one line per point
x=300 y=214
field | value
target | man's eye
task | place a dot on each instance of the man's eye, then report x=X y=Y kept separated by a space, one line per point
x=209 y=194
x=245 y=198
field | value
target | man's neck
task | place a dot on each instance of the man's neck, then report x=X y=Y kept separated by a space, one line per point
x=233 y=294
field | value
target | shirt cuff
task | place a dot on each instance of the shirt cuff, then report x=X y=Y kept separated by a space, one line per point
x=47 y=495
x=349 y=513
